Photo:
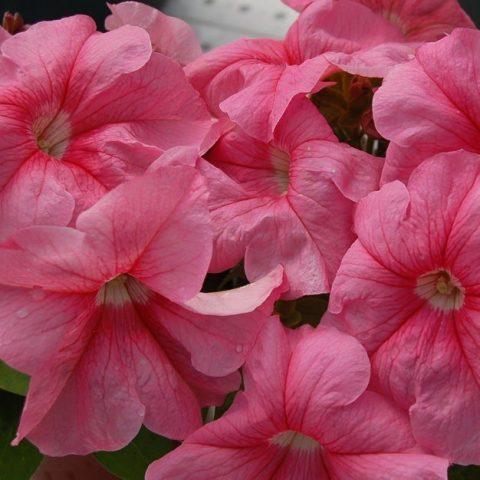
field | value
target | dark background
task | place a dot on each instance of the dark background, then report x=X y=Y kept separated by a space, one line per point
x=35 y=10
x=471 y=6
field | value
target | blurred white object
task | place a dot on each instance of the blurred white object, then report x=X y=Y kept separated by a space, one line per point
x=220 y=21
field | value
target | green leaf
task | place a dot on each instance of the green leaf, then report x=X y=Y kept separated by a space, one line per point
x=457 y=472
x=131 y=462
x=16 y=463
x=13 y=381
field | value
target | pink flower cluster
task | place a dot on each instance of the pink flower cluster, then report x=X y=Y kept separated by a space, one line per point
x=131 y=165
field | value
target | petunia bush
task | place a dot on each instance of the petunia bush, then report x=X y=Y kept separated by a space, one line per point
x=258 y=263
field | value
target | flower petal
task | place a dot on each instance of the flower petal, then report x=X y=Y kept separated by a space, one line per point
x=35 y=196
x=169 y=35
x=219 y=329
x=446 y=416
x=34 y=322
x=162 y=207
x=327 y=368
x=403 y=466
x=437 y=98
x=59 y=259
x=109 y=376
x=371 y=424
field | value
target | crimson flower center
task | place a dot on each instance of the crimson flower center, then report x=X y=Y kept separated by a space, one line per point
x=441 y=289
x=295 y=441
x=53 y=133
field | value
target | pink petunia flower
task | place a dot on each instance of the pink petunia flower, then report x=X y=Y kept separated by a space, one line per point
x=408 y=290
x=83 y=111
x=289 y=201
x=104 y=317
x=432 y=104
x=169 y=35
x=419 y=20
x=304 y=414
x=328 y=36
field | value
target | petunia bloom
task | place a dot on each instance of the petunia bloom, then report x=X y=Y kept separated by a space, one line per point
x=289 y=201
x=304 y=414
x=431 y=105
x=83 y=111
x=169 y=35
x=408 y=290
x=419 y=20
x=329 y=36
x=104 y=318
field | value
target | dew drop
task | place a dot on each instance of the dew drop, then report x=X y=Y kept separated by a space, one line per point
x=22 y=313
x=239 y=348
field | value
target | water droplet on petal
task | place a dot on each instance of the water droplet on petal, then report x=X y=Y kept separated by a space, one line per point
x=239 y=348
x=22 y=313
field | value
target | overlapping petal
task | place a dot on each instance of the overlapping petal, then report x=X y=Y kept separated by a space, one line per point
x=169 y=35
x=168 y=203
x=82 y=112
x=437 y=111
x=219 y=329
x=110 y=219
x=287 y=202
x=111 y=341
x=419 y=20
x=328 y=36
x=260 y=437
x=389 y=293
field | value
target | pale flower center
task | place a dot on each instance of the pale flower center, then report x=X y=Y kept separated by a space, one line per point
x=441 y=289
x=280 y=162
x=295 y=441
x=121 y=290
x=53 y=134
